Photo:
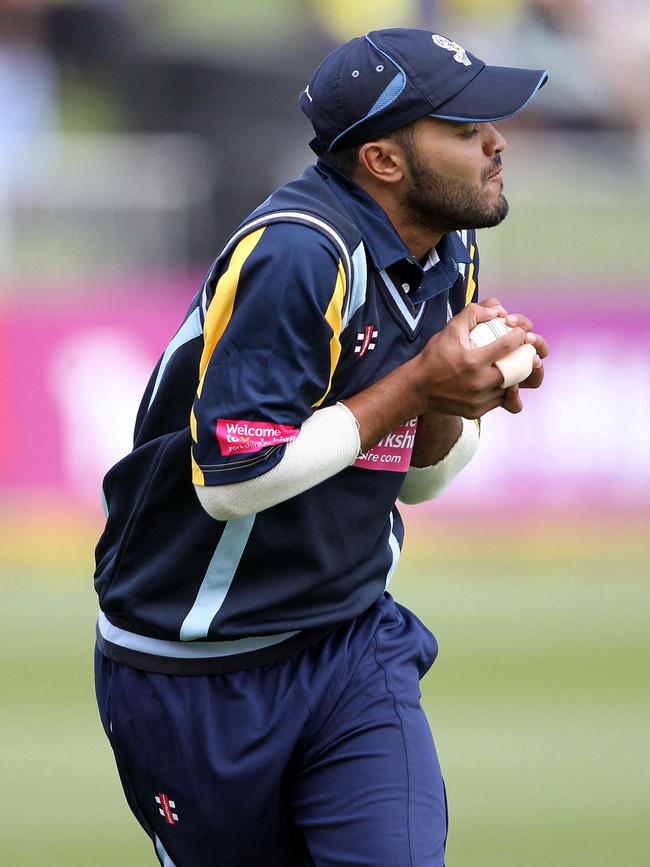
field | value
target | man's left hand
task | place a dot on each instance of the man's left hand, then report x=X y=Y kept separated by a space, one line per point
x=512 y=401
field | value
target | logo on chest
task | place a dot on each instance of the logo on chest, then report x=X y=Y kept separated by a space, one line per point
x=366 y=340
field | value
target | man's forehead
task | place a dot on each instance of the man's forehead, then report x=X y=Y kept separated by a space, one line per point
x=443 y=123
x=429 y=122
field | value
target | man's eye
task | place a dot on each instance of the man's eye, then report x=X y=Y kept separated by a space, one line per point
x=469 y=133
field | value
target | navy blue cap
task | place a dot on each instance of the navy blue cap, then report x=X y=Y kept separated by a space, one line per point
x=375 y=84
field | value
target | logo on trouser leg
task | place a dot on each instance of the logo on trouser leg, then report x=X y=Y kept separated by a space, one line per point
x=167 y=808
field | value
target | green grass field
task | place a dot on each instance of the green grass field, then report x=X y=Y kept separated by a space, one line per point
x=539 y=703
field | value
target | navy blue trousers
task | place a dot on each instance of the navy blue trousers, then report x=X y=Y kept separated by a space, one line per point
x=325 y=759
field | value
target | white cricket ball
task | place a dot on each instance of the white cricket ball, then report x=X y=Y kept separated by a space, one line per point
x=516 y=366
x=488 y=332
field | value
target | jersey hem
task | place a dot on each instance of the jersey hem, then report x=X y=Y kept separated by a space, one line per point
x=213 y=665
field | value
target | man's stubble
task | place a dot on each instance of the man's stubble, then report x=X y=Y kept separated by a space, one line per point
x=437 y=203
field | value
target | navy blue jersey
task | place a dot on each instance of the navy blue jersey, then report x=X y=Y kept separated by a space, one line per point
x=314 y=298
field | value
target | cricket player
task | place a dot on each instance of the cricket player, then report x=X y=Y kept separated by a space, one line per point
x=258 y=684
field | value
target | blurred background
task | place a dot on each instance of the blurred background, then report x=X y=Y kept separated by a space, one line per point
x=134 y=136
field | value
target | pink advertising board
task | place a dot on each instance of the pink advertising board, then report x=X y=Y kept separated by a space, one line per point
x=582 y=441
x=72 y=373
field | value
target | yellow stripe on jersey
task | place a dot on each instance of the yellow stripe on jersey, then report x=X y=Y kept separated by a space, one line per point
x=222 y=304
x=197 y=474
x=471 y=286
x=334 y=318
x=471 y=283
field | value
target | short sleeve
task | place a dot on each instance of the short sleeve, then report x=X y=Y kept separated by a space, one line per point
x=271 y=345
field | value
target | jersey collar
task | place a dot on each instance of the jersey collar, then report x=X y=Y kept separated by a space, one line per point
x=441 y=269
x=387 y=248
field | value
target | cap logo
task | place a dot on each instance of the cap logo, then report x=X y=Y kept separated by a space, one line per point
x=460 y=55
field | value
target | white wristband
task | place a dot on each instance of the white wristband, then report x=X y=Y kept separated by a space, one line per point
x=328 y=443
x=426 y=483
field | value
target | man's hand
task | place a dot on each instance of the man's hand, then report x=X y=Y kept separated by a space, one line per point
x=517 y=320
x=457 y=379
x=449 y=377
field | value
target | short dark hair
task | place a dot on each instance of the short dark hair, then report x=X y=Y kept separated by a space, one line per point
x=347 y=160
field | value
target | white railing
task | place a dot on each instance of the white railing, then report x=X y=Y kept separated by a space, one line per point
x=118 y=204
x=105 y=204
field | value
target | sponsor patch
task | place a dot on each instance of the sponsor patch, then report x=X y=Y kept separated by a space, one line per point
x=238 y=436
x=392 y=452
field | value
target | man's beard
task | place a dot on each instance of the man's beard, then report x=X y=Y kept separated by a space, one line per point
x=438 y=203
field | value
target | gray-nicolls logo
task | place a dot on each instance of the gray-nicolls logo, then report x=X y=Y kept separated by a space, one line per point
x=166 y=808
x=366 y=340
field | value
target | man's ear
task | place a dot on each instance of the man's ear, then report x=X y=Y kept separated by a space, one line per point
x=383 y=160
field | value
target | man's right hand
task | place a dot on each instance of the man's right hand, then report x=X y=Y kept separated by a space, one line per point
x=457 y=379
x=448 y=376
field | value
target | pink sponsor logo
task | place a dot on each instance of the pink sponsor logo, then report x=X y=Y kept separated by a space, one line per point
x=236 y=437
x=393 y=452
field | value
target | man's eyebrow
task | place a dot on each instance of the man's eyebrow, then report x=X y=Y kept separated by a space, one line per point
x=455 y=124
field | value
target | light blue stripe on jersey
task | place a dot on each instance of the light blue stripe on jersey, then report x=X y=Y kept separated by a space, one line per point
x=218 y=578
x=185 y=650
x=393 y=544
x=359 y=283
x=165 y=860
x=190 y=329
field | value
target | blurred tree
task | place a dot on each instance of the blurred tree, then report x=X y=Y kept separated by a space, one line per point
x=342 y=20
x=490 y=9
x=264 y=26
x=29 y=81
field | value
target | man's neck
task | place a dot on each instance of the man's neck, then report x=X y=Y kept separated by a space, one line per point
x=418 y=239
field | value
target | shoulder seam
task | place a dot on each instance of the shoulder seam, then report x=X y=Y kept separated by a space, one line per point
x=303 y=218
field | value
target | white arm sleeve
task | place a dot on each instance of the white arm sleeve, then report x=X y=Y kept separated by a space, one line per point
x=426 y=483
x=327 y=443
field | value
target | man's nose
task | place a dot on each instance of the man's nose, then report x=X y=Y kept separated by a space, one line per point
x=494 y=142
